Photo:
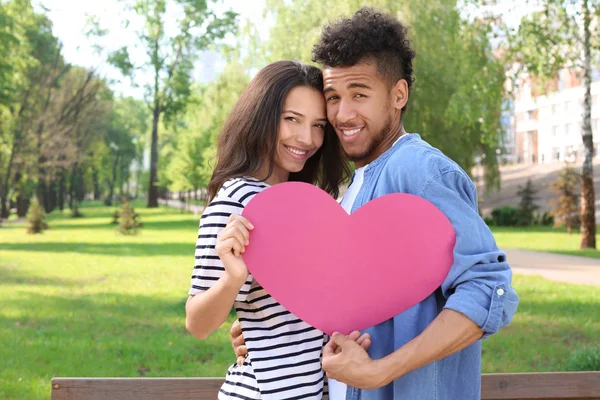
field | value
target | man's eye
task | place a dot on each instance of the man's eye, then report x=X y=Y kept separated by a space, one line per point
x=332 y=98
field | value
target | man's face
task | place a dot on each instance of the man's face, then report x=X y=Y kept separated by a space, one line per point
x=363 y=109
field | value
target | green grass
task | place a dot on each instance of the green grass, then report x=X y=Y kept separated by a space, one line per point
x=542 y=238
x=553 y=321
x=81 y=300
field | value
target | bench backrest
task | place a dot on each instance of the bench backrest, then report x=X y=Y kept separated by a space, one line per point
x=526 y=386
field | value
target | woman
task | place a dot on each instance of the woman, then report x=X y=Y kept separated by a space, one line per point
x=276 y=132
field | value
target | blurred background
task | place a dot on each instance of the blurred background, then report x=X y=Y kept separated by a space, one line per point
x=109 y=114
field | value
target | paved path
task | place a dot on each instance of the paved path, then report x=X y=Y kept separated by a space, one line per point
x=556 y=267
x=197 y=210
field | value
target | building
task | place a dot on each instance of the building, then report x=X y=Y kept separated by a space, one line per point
x=548 y=128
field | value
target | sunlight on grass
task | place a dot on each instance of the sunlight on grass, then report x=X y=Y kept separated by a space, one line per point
x=82 y=300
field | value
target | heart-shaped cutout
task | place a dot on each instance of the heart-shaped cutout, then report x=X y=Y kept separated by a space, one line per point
x=341 y=272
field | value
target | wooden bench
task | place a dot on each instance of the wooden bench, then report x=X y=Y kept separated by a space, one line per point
x=525 y=386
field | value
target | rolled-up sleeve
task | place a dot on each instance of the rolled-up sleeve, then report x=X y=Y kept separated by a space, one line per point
x=479 y=283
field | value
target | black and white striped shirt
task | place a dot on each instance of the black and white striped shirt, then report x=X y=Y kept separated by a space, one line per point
x=284 y=353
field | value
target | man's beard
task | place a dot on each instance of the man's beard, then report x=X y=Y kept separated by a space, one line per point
x=377 y=139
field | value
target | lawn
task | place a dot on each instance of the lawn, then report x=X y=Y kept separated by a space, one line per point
x=81 y=300
x=542 y=238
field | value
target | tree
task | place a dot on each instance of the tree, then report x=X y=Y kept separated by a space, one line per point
x=27 y=71
x=527 y=205
x=128 y=220
x=192 y=154
x=170 y=58
x=566 y=207
x=36 y=218
x=562 y=35
x=458 y=93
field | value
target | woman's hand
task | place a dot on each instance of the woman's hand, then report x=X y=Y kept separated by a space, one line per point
x=231 y=244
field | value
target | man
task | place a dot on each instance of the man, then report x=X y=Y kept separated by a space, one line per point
x=433 y=350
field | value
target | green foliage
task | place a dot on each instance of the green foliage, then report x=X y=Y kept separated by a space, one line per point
x=128 y=219
x=504 y=216
x=566 y=208
x=75 y=213
x=170 y=56
x=191 y=148
x=584 y=359
x=458 y=93
x=36 y=218
x=527 y=204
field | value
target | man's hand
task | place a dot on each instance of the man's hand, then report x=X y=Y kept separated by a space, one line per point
x=241 y=351
x=346 y=360
x=238 y=343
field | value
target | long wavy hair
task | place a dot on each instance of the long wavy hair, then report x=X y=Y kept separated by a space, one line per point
x=249 y=136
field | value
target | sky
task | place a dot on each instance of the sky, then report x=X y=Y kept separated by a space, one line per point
x=69 y=18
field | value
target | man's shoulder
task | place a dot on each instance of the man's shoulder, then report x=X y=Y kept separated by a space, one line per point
x=419 y=160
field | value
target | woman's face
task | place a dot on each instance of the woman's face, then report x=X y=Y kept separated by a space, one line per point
x=301 y=129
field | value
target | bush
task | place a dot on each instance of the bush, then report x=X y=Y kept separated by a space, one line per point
x=585 y=359
x=546 y=219
x=505 y=216
x=128 y=221
x=36 y=218
x=75 y=213
x=116 y=216
x=566 y=207
x=527 y=205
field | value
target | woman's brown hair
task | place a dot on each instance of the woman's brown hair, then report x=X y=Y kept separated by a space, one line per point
x=250 y=133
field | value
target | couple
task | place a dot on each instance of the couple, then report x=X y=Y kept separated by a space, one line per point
x=294 y=123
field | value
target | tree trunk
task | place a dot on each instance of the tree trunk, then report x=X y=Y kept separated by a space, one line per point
x=80 y=187
x=4 y=195
x=109 y=199
x=52 y=196
x=72 y=186
x=61 y=190
x=153 y=191
x=97 y=193
x=588 y=197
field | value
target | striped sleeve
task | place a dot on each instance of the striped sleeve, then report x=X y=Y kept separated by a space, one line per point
x=208 y=268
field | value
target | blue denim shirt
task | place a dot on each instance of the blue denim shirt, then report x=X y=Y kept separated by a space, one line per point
x=478 y=285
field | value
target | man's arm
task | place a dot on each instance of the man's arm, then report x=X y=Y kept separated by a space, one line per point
x=479 y=297
x=449 y=332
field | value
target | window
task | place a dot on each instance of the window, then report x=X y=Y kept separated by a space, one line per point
x=555 y=131
x=554 y=109
x=556 y=154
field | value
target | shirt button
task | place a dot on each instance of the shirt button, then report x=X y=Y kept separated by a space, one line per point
x=500 y=292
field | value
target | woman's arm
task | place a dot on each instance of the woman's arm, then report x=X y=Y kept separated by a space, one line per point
x=206 y=311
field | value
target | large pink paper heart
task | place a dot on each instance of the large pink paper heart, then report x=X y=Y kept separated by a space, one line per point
x=341 y=272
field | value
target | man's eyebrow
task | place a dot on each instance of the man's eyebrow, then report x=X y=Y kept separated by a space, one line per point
x=328 y=89
x=354 y=85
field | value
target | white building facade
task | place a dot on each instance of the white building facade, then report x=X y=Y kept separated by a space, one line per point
x=548 y=128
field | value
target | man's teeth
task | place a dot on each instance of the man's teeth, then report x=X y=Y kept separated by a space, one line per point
x=352 y=132
x=298 y=152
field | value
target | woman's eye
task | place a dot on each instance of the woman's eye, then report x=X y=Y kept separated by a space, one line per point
x=293 y=119
x=321 y=126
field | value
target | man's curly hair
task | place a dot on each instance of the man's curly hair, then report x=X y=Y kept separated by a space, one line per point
x=369 y=34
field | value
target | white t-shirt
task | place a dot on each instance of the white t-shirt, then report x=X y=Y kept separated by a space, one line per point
x=337 y=390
